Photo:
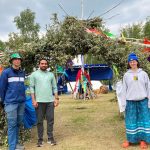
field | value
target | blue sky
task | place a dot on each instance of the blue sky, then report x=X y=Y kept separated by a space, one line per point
x=130 y=11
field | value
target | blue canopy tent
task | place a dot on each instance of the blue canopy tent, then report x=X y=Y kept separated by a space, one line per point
x=97 y=72
x=61 y=85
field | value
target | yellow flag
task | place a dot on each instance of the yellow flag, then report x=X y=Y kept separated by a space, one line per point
x=123 y=37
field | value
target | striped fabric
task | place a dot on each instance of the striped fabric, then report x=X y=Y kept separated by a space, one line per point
x=16 y=79
x=1 y=55
x=137 y=121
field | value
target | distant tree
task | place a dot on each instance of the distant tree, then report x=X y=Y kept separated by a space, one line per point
x=27 y=26
x=146 y=28
x=2 y=46
x=137 y=30
x=28 y=35
x=133 y=31
x=28 y=30
x=15 y=41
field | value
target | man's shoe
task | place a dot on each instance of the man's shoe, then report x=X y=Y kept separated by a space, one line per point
x=19 y=147
x=40 y=144
x=51 y=141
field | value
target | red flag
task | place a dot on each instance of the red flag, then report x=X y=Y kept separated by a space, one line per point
x=96 y=32
x=146 y=41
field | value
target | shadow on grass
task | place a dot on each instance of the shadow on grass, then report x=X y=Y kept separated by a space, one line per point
x=80 y=108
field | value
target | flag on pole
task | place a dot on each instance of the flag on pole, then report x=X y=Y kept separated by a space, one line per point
x=115 y=70
x=82 y=62
x=123 y=37
x=60 y=69
x=110 y=35
x=146 y=41
x=96 y=32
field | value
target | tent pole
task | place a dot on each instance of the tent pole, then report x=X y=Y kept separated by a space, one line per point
x=70 y=86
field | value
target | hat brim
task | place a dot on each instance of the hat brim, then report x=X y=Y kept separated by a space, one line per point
x=10 y=61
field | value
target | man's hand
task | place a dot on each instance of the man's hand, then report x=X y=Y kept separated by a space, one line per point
x=56 y=102
x=35 y=103
x=1 y=103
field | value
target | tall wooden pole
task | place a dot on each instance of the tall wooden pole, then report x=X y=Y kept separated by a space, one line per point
x=81 y=9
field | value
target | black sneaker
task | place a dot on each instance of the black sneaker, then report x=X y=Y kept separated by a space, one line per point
x=40 y=144
x=51 y=141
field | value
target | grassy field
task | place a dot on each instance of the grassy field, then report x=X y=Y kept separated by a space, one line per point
x=85 y=125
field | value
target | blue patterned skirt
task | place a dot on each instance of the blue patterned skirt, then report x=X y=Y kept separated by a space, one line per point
x=137 y=121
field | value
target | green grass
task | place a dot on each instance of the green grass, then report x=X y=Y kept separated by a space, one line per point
x=85 y=125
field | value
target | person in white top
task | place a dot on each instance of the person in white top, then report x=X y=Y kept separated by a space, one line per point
x=135 y=101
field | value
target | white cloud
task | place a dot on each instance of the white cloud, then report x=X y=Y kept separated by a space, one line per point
x=4 y=37
x=114 y=28
x=134 y=12
x=137 y=11
x=130 y=11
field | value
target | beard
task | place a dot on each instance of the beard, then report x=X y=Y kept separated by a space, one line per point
x=43 y=68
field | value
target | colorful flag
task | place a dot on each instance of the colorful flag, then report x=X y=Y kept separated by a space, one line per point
x=123 y=37
x=110 y=35
x=146 y=41
x=60 y=69
x=115 y=70
x=95 y=32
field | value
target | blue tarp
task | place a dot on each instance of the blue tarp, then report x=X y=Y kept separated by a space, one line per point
x=61 y=85
x=96 y=72
x=30 y=114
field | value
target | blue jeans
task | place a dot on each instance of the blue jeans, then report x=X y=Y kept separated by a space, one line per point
x=15 y=115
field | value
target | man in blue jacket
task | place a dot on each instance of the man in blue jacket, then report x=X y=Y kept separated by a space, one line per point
x=12 y=93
